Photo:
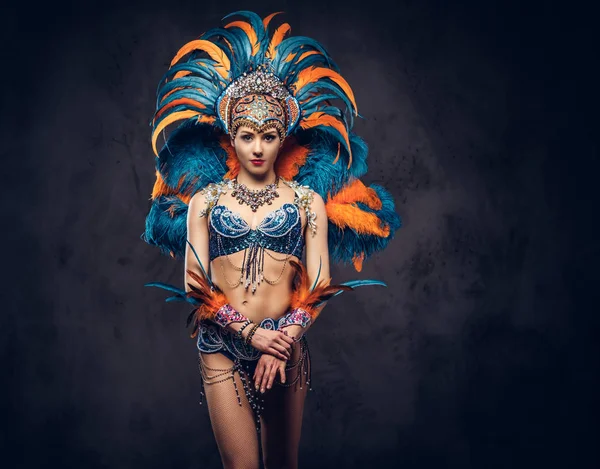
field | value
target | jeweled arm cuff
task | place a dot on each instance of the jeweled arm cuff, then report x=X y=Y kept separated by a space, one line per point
x=227 y=314
x=297 y=316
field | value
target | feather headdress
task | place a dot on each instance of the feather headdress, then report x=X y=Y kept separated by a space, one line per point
x=320 y=152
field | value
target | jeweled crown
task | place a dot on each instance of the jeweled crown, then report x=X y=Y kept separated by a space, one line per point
x=260 y=81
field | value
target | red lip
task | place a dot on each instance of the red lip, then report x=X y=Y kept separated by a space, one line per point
x=257 y=162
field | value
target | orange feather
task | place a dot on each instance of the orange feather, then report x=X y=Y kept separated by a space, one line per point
x=170 y=93
x=356 y=191
x=169 y=120
x=160 y=187
x=249 y=30
x=232 y=161
x=229 y=45
x=320 y=118
x=306 y=54
x=292 y=157
x=277 y=38
x=307 y=299
x=343 y=211
x=312 y=74
x=351 y=216
x=268 y=19
x=211 y=299
x=181 y=73
x=177 y=102
x=357 y=261
x=215 y=52
x=206 y=119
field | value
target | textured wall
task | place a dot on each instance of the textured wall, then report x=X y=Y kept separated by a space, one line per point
x=480 y=354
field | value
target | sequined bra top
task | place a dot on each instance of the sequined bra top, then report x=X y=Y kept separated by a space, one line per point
x=279 y=231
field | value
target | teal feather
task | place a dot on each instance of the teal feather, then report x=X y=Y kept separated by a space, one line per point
x=293 y=44
x=317 y=277
x=352 y=284
x=206 y=276
x=181 y=295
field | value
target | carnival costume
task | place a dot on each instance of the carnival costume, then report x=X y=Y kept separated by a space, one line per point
x=245 y=74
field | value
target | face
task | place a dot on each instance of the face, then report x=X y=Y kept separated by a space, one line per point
x=256 y=151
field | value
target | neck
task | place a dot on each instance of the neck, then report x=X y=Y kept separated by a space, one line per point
x=253 y=181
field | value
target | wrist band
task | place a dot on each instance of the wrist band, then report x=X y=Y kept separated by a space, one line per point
x=246 y=324
x=295 y=339
x=227 y=314
x=251 y=333
x=297 y=316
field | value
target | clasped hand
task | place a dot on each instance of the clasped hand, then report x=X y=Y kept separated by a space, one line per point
x=277 y=349
x=266 y=370
x=274 y=343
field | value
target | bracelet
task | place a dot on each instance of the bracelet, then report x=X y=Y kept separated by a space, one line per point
x=298 y=316
x=295 y=339
x=246 y=324
x=227 y=314
x=251 y=333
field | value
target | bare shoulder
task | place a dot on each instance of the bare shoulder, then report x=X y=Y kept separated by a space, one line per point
x=318 y=203
x=197 y=203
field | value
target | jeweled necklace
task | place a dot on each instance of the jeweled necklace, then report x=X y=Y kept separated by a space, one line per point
x=255 y=198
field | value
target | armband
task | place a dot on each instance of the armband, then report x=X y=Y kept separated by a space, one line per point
x=227 y=314
x=297 y=316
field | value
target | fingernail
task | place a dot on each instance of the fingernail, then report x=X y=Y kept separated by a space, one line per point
x=262 y=390
x=269 y=387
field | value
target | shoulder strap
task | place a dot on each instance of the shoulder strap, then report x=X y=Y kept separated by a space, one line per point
x=213 y=192
x=303 y=199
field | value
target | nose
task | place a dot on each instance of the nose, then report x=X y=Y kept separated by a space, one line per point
x=257 y=148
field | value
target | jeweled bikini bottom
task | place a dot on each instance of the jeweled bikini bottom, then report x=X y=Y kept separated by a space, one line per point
x=213 y=339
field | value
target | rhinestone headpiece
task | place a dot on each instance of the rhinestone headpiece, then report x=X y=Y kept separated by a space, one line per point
x=260 y=112
x=277 y=99
x=260 y=81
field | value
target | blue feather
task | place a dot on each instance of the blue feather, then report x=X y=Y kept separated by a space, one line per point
x=181 y=295
x=361 y=283
x=318 y=275
x=200 y=264
x=291 y=44
x=204 y=73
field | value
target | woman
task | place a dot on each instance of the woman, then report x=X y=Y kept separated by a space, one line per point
x=251 y=181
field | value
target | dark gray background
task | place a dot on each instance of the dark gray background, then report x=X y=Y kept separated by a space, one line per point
x=481 y=353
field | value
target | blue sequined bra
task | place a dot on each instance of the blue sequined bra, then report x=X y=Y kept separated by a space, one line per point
x=280 y=231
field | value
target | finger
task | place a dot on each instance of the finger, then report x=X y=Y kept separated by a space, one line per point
x=283 y=349
x=284 y=344
x=282 y=373
x=265 y=379
x=276 y=353
x=287 y=338
x=271 y=376
x=260 y=370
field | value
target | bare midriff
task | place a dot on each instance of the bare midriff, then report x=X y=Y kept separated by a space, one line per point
x=268 y=301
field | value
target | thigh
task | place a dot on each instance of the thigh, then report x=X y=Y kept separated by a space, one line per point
x=231 y=416
x=282 y=415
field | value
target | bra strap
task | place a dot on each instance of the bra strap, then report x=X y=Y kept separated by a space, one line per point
x=303 y=199
x=213 y=192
